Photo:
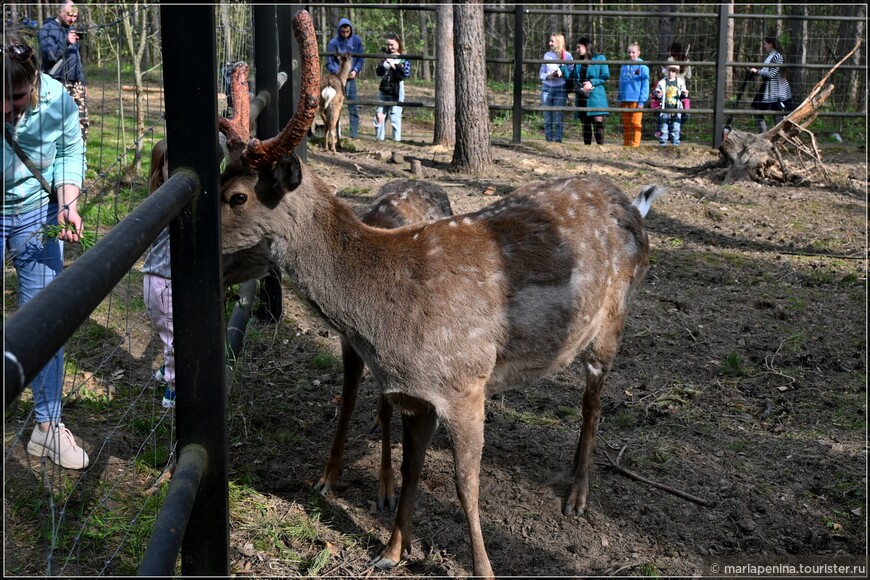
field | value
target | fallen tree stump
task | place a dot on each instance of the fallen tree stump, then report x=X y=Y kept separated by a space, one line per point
x=747 y=156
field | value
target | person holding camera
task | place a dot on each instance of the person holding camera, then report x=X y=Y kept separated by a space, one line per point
x=61 y=58
x=394 y=71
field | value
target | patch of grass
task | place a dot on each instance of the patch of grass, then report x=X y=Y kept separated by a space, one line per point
x=849 y=412
x=527 y=418
x=737 y=445
x=355 y=191
x=649 y=570
x=325 y=360
x=733 y=365
x=793 y=304
x=318 y=562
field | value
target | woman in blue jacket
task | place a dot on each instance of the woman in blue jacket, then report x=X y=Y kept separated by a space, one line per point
x=42 y=121
x=589 y=79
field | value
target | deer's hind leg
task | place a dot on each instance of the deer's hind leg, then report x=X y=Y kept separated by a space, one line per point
x=353 y=370
x=418 y=425
x=598 y=360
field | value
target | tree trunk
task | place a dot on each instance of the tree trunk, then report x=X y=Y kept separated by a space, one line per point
x=137 y=24
x=473 y=151
x=729 y=71
x=425 y=67
x=798 y=53
x=445 y=79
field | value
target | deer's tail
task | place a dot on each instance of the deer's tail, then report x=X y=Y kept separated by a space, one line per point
x=646 y=197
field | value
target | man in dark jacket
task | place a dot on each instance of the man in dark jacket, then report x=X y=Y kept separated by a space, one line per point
x=61 y=58
x=346 y=41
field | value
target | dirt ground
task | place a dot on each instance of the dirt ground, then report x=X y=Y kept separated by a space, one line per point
x=741 y=381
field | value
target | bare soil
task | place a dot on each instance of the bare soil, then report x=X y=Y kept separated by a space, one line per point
x=741 y=381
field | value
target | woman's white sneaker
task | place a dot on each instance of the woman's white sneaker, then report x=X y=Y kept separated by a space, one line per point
x=59 y=445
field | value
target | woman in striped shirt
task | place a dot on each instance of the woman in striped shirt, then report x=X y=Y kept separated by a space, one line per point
x=774 y=94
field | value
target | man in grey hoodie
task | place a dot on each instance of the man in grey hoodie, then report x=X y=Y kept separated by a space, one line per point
x=346 y=41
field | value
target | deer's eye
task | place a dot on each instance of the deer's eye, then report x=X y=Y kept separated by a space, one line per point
x=238 y=199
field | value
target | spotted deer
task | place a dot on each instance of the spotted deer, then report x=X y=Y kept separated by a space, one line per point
x=331 y=100
x=444 y=313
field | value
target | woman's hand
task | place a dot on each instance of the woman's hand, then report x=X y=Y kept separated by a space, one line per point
x=68 y=216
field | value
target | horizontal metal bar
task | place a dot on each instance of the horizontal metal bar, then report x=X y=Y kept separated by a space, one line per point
x=239 y=321
x=41 y=327
x=168 y=530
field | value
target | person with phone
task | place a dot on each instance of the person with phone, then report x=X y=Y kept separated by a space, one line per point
x=62 y=60
x=393 y=71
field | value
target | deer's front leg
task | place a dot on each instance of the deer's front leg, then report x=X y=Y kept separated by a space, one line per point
x=466 y=428
x=417 y=432
x=353 y=369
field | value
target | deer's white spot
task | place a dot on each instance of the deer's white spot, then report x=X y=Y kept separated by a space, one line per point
x=594 y=368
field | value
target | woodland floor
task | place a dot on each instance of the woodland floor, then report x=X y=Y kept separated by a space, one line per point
x=741 y=380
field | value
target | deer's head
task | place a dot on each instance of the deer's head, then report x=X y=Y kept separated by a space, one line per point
x=260 y=173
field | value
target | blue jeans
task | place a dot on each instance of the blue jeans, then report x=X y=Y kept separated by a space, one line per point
x=394 y=114
x=37 y=260
x=352 y=110
x=669 y=128
x=553 y=97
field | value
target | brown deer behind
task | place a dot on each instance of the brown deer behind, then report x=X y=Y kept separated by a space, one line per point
x=332 y=99
x=399 y=203
x=446 y=313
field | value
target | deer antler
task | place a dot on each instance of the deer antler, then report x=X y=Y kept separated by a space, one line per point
x=260 y=153
x=238 y=129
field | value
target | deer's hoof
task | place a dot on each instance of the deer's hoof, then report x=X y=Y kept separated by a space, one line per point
x=322 y=487
x=389 y=502
x=573 y=510
x=383 y=563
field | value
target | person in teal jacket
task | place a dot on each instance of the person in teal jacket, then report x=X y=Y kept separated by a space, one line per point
x=41 y=118
x=589 y=79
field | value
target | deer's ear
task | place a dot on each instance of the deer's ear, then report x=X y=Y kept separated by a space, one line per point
x=278 y=178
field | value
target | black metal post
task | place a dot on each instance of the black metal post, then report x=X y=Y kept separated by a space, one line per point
x=721 y=70
x=519 y=40
x=166 y=536
x=190 y=70
x=266 y=66
x=286 y=42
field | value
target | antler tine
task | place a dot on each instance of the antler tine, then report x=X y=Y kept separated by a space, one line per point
x=260 y=153
x=238 y=129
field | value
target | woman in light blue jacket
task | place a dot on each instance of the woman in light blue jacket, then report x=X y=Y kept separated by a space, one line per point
x=553 y=87
x=43 y=121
